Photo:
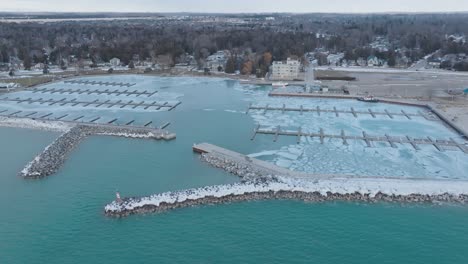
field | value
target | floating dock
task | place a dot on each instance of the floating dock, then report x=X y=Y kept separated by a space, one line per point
x=96 y=103
x=88 y=82
x=439 y=144
x=301 y=109
x=87 y=121
x=95 y=91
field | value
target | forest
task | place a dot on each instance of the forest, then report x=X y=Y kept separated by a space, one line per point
x=248 y=37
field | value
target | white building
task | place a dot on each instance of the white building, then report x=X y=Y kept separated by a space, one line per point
x=335 y=59
x=285 y=70
x=115 y=62
x=217 y=61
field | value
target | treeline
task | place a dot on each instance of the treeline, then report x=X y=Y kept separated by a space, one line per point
x=287 y=35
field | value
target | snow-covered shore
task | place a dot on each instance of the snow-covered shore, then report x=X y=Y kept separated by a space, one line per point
x=311 y=190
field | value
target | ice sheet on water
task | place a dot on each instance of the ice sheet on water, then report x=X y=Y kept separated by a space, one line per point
x=356 y=159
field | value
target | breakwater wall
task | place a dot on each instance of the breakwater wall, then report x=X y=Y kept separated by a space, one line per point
x=312 y=190
x=54 y=155
x=52 y=158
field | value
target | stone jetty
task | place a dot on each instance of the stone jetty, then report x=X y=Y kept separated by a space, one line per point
x=351 y=189
x=261 y=181
x=54 y=155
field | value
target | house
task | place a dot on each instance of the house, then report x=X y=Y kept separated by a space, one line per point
x=38 y=66
x=115 y=62
x=4 y=66
x=361 y=62
x=456 y=38
x=335 y=59
x=373 y=61
x=217 y=61
x=402 y=62
x=285 y=70
x=434 y=63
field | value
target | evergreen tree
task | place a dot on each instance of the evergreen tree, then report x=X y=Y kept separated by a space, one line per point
x=231 y=65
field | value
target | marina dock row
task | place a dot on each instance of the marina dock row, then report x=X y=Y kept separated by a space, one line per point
x=424 y=105
x=54 y=155
x=439 y=144
x=81 y=120
x=301 y=109
x=95 y=91
x=88 y=82
x=96 y=103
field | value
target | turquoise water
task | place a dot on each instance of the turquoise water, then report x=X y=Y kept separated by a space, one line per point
x=60 y=219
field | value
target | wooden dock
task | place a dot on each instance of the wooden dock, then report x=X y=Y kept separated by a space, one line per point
x=95 y=91
x=335 y=111
x=97 y=103
x=88 y=82
x=83 y=120
x=439 y=144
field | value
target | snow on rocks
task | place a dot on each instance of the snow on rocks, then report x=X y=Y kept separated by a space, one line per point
x=54 y=155
x=55 y=126
x=310 y=190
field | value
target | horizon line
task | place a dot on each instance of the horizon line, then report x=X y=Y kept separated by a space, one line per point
x=233 y=13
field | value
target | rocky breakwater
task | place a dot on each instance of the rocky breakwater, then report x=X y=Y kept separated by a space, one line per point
x=336 y=189
x=132 y=132
x=244 y=170
x=54 y=155
x=52 y=158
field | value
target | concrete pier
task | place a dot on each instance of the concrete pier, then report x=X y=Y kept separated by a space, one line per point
x=242 y=165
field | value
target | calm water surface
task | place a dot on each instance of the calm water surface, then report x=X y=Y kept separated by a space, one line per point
x=60 y=219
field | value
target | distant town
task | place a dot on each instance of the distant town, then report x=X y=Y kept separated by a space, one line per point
x=272 y=46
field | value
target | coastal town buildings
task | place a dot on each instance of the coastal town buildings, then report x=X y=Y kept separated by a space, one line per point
x=285 y=70
x=115 y=62
x=217 y=61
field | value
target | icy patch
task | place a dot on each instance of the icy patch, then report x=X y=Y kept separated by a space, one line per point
x=54 y=126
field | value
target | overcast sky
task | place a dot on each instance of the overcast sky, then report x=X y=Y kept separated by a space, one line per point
x=236 y=6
